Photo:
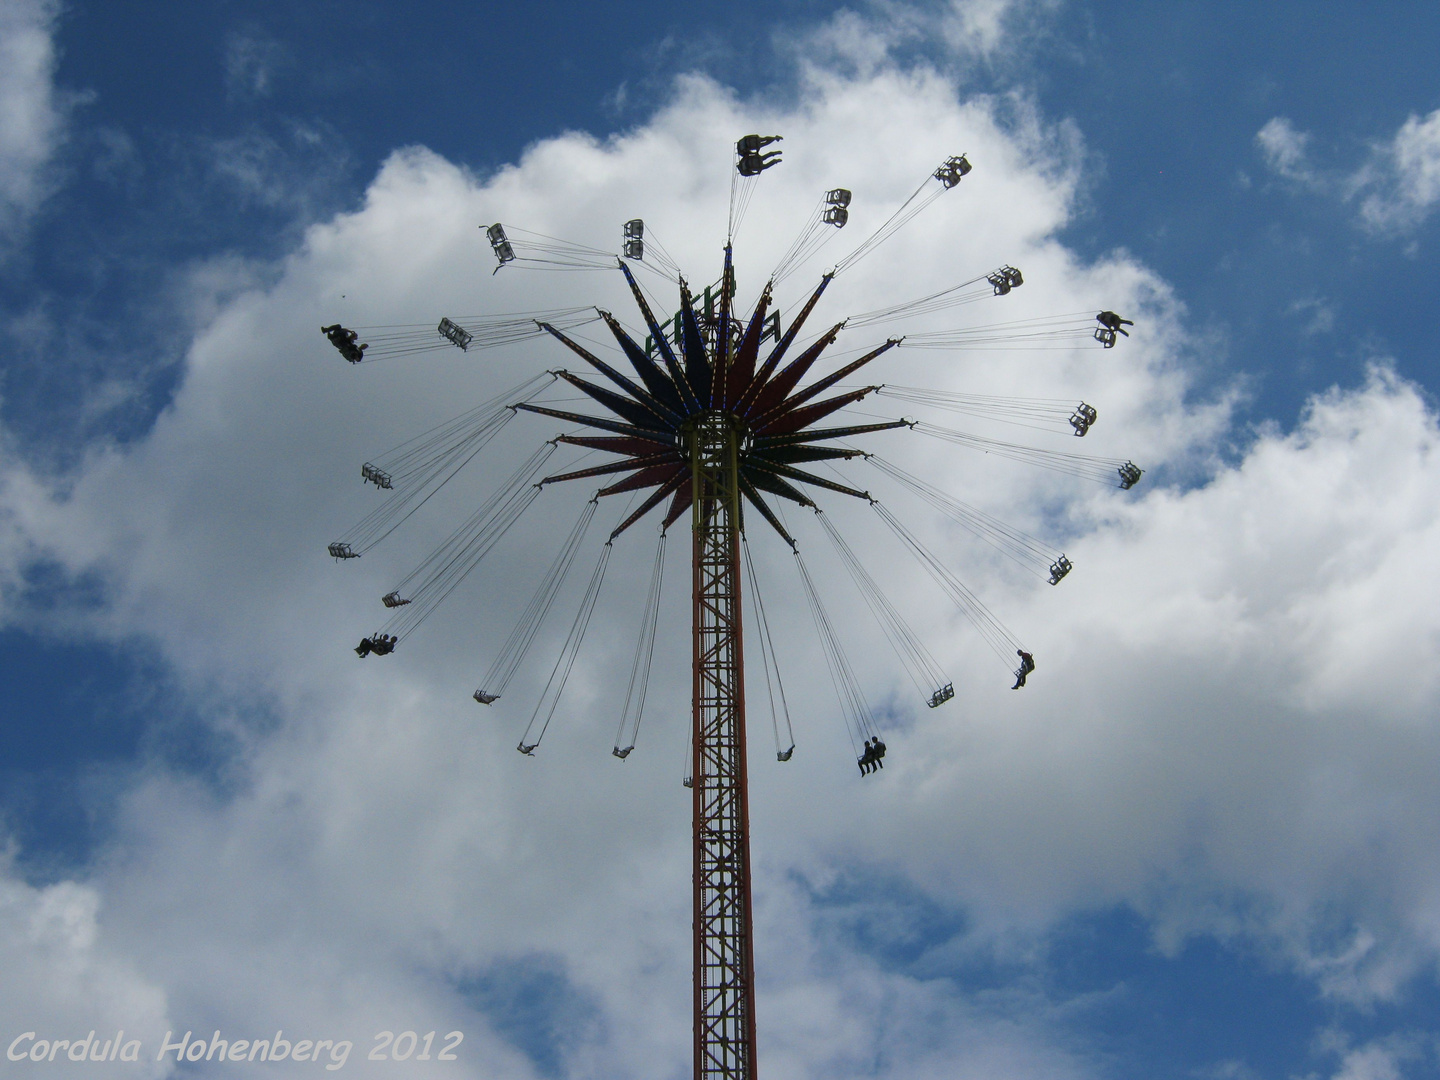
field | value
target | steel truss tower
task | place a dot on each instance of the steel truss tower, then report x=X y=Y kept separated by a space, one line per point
x=724 y=954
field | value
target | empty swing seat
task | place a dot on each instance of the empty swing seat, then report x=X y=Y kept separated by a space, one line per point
x=635 y=239
x=456 y=334
x=1082 y=418
x=372 y=475
x=500 y=244
x=342 y=551
x=1005 y=279
x=953 y=171
x=484 y=698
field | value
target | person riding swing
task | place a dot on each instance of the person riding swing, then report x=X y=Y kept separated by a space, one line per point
x=1112 y=321
x=1027 y=665
x=867 y=760
x=344 y=340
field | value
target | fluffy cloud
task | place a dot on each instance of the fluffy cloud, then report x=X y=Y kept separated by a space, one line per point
x=1402 y=183
x=61 y=980
x=1241 y=711
x=1285 y=149
x=1231 y=729
x=985 y=31
x=1396 y=187
x=31 y=117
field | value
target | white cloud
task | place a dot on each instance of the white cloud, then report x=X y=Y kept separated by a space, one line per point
x=31 y=115
x=984 y=28
x=1397 y=186
x=1231 y=729
x=1285 y=149
x=298 y=173
x=968 y=30
x=1378 y=1060
x=61 y=981
x=1265 y=623
x=1402 y=182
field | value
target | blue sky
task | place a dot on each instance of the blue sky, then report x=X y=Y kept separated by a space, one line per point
x=1168 y=103
x=1208 y=853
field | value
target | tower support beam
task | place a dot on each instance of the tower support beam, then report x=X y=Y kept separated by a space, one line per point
x=724 y=954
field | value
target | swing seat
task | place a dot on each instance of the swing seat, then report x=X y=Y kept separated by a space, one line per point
x=379 y=477
x=455 y=334
x=953 y=171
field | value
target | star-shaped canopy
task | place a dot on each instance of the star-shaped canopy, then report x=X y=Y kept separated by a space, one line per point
x=719 y=371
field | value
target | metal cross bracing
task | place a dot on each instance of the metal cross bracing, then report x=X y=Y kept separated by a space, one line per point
x=724 y=982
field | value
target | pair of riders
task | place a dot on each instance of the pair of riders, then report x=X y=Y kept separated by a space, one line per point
x=344 y=340
x=380 y=645
x=874 y=751
x=753 y=160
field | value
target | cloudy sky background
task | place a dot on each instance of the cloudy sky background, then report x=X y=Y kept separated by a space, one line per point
x=1201 y=843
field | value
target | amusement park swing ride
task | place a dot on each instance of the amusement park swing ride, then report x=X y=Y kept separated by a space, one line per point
x=710 y=419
